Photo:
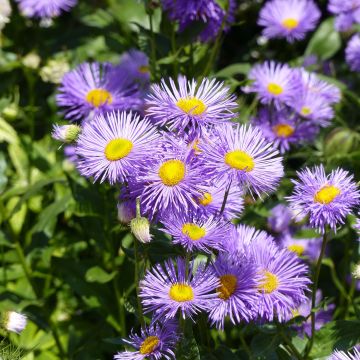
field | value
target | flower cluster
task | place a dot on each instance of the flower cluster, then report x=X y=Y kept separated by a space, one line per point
x=347 y=13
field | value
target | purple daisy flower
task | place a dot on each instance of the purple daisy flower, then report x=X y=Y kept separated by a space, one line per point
x=347 y=13
x=70 y=154
x=280 y=219
x=240 y=156
x=274 y=83
x=190 y=106
x=283 y=129
x=46 y=9
x=353 y=53
x=212 y=198
x=167 y=290
x=113 y=146
x=327 y=199
x=196 y=232
x=94 y=88
x=342 y=355
x=237 y=294
x=156 y=341
x=289 y=19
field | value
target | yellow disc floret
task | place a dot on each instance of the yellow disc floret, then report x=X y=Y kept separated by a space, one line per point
x=275 y=89
x=283 y=130
x=191 y=106
x=228 y=286
x=305 y=111
x=206 y=199
x=143 y=69
x=290 y=23
x=181 y=292
x=193 y=231
x=327 y=194
x=149 y=345
x=269 y=283
x=117 y=149
x=239 y=160
x=98 y=97
x=297 y=249
x=172 y=172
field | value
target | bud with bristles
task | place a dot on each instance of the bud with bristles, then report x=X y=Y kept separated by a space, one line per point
x=14 y=322
x=66 y=133
x=140 y=226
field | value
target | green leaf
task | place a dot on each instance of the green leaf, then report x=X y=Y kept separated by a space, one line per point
x=188 y=349
x=7 y=133
x=100 y=19
x=97 y=274
x=264 y=346
x=326 y=41
x=234 y=69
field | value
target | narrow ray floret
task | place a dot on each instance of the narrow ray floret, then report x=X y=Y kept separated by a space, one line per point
x=45 y=9
x=289 y=19
x=195 y=232
x=353 y=53
x=156 y=341
x=114 y=145
x=273 y=83
x=188 y=106
x=94 y=88
x=240 y=156
x=342 y=355
x=326 y=199
x=237 y=294
x=169 y=289
x=347 y=13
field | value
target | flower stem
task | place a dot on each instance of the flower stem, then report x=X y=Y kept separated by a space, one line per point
x=225 y=200
x=137 y=273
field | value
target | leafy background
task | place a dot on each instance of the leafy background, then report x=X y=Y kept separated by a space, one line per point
x=65 y=260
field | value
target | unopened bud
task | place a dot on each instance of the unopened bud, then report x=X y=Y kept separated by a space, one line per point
x=356 y=271
x=126 y=212
x=14 y=322
x=66 y=133
x=31 y=61
x=140 y=227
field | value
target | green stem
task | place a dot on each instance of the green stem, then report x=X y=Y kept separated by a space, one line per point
x=153 y=45
x=314 y=289
x=289 y=343
x=245 y=345
x=137 y=272
x=225 y=200
x=173 y=48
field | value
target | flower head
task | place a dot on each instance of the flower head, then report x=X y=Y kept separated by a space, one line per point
x=342 y=355
x=290 y=19
x=14 y=322
x=156 y=341
x=94 y=88
x=280 y=219
x=240 y=156
x=326 y=199
x=169 y=289
x=347 y=13
x=45 y=8
x=66 y=133
x=114 y=145
x=353 y=53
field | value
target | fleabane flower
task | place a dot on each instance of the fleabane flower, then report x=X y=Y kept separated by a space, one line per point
x=342 y=355
x=190 y=106
x=156 y=341
x=45 y=9
x=14 y=322
x=240 y=156
x=273 y=83
x=326 y=199
x=167 y=290
x=196 y=232
x=352 y=53
x=279 y=219
x=347 y=13
x=114 y=145
x=94 y=88
x=289 y=19
x=237 y=294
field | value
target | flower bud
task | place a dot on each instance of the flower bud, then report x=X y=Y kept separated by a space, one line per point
x=66 y=133
x=140 y=227
x=14 y=322
x=356 y=271
x=31 y=61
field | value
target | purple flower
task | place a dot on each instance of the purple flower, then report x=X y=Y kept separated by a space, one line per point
x=284 y=129
x=342 y=355
x=167 y=290
x=274 y=83
x=237 y=294
x=280 y=219
x=189 y=106
x=70 y=154
x=113 y=146
x=94 y=88
x=156 y=341
x=347 y=13
x=45 y=8
x=66 y=133
x=353 y=53
x=290 y=19
x=327 y=199
x=240 y=156
x=196 y=232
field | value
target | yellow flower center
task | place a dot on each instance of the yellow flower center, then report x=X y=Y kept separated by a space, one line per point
x=297 y=249
x=283 y=130
x=206 y=199
x=193 y=231
x=239 y=160
x=149 y=345
x=117 y=149
x=290 y=23
x=181 y=292
x=275 y=89
x=143 y=69
x=171 y=172
x=191 y=106
x=98 y=97
x=228 y=286
x=295 y=312
x=326 y=194
x=269 y=283
x=305 y=111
